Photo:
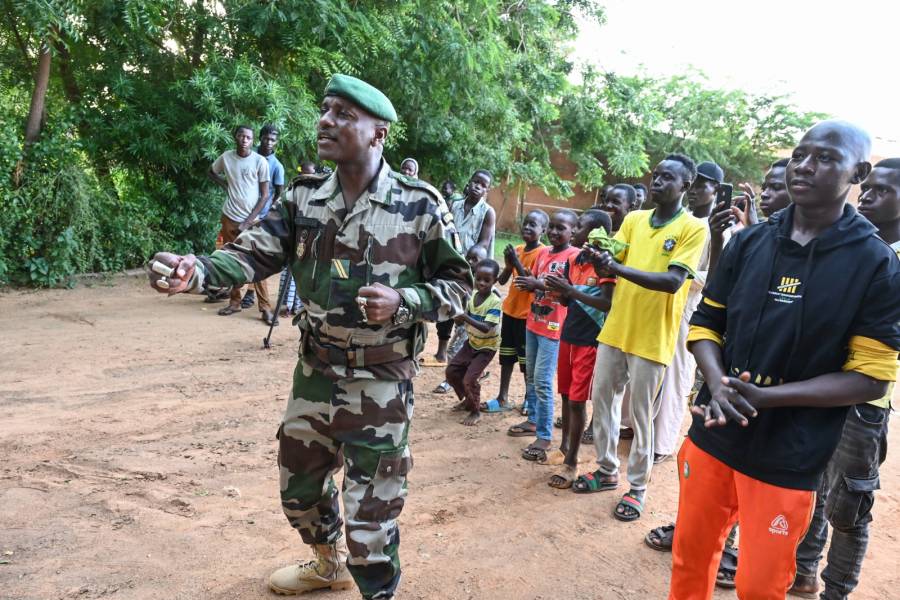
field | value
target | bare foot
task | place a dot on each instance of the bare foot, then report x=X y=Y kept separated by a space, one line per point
x=472 y=418
x=441 y=358
x=459 y=407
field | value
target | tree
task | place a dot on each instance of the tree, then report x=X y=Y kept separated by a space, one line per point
x=143 y=94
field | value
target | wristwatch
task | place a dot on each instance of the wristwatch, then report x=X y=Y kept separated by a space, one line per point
x=403 y=314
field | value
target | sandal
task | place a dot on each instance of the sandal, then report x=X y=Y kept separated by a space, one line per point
x=727 y=568
x=661 y=538
x=228 y=310
x=553 y=458
x=534 y=454
x=630 y=507
x=591 y=483
x=558 y=423
x=494 y=406
x=442 y=388
x=660 y=458
x=588 y=436
x=563 y=479
x=521 y=430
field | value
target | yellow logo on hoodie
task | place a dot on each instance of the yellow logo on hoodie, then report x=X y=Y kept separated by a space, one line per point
x=789 y=285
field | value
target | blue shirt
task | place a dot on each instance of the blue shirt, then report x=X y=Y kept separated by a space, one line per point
x=276 y=177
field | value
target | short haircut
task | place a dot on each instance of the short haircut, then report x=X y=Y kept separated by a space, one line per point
x=489 y=263
x=781 y=163
x=268 y=129
x=857 y=142
x=889 y=163
x=569 y=213
x=449 y=183
x=544 y=217
x=629 y=192
x=641 y=186
x=239 y=127
x=484 y=172
x=597 y=218
x=689 y=167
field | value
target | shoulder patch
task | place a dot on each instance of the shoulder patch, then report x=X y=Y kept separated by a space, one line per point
x=309 y=181
x=412 y=182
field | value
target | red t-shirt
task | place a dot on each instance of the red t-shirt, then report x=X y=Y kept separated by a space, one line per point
x=547 y=313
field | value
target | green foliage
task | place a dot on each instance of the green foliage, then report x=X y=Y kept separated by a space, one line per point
x=144 y=95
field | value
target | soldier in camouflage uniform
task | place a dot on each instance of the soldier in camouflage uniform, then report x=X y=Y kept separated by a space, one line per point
x=372 y=253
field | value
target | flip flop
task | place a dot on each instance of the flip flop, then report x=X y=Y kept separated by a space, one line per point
x=594 y=482
x=520 y=430
x=494 y=406
x=553 y=458
x=430 y=362
x=629 y=502
x=228 y=310
x=568 y=475
x=534 y=454
x=660 y=538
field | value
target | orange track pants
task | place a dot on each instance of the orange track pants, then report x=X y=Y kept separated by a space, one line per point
x=712 y=497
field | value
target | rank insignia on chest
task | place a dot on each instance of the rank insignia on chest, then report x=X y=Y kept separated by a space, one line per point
x=340 y=268
x=301 y=245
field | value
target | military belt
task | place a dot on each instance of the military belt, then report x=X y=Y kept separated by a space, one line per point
x=366 y=356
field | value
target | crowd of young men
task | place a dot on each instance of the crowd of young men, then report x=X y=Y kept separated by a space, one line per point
x=375 y=252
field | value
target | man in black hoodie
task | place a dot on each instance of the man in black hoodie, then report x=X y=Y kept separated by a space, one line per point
x=799 y=321
x=847 y=494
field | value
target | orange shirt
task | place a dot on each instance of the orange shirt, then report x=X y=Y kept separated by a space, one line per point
x=518 y=303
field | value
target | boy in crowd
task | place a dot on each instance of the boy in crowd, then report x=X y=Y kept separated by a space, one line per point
x=641 y=195
x=474 y=219
x=588 y=298
x=774 y=195
x=638 y=338
x=244 y=174
x=847 y=493
x=620 y=201
x=516 y=305
x=482 y=324
x=268 y=139
x=679 y=377
x=542 y=330
x=475 y=255
x=782 y=361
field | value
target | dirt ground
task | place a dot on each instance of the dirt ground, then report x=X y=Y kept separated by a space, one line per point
x=138 y=461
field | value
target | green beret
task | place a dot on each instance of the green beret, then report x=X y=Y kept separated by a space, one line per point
x=361 y=93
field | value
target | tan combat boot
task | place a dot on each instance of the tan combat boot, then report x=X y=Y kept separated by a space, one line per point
x=328 y=570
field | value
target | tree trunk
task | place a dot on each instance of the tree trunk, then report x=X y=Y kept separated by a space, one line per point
x=38 y=98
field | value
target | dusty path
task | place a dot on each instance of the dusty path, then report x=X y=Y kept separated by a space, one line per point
x=138 y=461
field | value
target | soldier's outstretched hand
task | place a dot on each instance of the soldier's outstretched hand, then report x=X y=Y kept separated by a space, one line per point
x=380 y=301
x=182 y=271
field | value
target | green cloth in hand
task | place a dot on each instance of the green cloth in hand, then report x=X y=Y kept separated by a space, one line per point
x=602 y=240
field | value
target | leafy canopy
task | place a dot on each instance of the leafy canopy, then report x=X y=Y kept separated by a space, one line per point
x=144 y=94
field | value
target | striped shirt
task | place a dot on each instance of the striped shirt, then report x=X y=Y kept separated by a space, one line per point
x=488 y=311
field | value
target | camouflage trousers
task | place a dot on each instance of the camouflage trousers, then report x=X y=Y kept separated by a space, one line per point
x=369 y=420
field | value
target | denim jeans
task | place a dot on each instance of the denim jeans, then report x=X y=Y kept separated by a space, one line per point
x=541 y=354
x=845 y=501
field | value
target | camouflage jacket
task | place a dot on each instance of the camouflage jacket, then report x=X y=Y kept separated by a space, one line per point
x=399 y=234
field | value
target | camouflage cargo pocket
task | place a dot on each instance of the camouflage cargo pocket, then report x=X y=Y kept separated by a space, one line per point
x=385 y=494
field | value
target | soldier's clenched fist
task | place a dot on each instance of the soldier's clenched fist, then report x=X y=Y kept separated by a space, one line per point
x=380 y=301
x=182 y=271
